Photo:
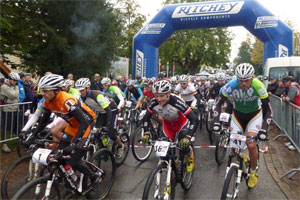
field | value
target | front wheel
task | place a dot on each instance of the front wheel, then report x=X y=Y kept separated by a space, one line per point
x=121 y=153
x=127 y=126
x=156 y=187
x=140 y=151
x=220 y=151
x=104 y=160
x=36 y=189
x=230 y=184
x=187 y=172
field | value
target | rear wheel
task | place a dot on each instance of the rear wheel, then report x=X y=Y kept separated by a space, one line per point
x=105 y=160
x=230 y=184
x=140 y=151
x=120 y=156
x=209 y=123
x=156 y=188
x=36 y=189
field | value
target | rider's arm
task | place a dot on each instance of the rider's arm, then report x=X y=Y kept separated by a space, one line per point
x=193 y=122
x=146 y=118
x=218 y=107
x=44 y=122
x=33 y=119
x=138 y=103
x=141 y=94
x=268 y=112
x=77 y=113
x=108 y=116
x=118 y=93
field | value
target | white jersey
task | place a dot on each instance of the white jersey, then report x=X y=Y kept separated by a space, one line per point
x=190 y=89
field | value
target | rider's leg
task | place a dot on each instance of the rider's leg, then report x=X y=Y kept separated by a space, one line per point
x=253 y=151
x=56 y=129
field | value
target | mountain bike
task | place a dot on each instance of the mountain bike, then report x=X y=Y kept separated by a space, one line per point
x=238 y=171
x=171 y=169
x=202 y=113
x=141 y=151
x=51 y=186
x=209 y=119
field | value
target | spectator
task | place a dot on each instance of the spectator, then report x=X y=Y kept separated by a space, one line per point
x=9 y=94
x=96 y=83
x=293 y=94
x=280 y=91
x=71 y=78
x=47 y=73
x=37 y=96
x=273 y=85
x=27 y=80
x=21 y=87
x=2 y=81
x=121 y=83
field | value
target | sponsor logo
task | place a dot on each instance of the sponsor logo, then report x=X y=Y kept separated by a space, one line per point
x=139 y=63
x=154 y=28
x=266 y=22
x=207 y=9
x=283 y=51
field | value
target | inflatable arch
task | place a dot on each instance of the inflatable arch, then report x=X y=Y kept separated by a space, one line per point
x=277 y=37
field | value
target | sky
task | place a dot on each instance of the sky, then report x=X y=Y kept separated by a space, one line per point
x=287 y=9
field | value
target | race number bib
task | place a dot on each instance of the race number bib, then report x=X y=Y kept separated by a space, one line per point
x=161 y=148
x=128 y=104
x=224 y=117
x=237 y=141
x=40 y=156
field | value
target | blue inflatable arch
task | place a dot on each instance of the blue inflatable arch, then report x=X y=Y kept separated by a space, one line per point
x=277 y=37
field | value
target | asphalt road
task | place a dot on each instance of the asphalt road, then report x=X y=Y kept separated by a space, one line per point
x=207 y=182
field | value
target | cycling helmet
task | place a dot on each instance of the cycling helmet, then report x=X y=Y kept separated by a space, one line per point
x=82 y=83
x=162 y=87
x=130 y=82
x=153 y=78
x=151 y=82
x=66 y=83
x=106 y=81
x=211 y=77
x=173 y=79
x=14 y=76
x=220 y=77
x=244 y=71
x=202 y=78
x=183 y=78
x=51 y=82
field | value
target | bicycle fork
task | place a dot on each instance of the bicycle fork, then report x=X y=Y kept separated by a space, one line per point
x=168 y=181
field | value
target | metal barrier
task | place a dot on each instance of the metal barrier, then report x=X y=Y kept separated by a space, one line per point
x=12 y=120
x=287 y=118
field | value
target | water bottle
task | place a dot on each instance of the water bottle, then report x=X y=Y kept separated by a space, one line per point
x=70 y=172
x=106 y=142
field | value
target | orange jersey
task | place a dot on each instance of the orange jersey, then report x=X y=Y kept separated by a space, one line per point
x=62 y=104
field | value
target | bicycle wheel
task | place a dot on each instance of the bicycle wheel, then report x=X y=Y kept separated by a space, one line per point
x=140 y=151
x=200 y=119
x=19 y=172
x=155 y=187
x=29 y=190
x=105 y=160
x=187 y=177
x=229 y=188
x=21 y=149
x=121 y=156
x=220 y=151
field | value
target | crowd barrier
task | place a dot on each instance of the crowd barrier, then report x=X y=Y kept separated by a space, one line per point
x=287 y=118
x=12 y=120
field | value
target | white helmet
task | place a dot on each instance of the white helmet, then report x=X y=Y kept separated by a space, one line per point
x=82 y=83
x=211 y=77
x=183 y=78
x=173 y=79
x=130 y=82
x=106 y=81
x=66 y=83
x=14 y=76
x=244 y=71
x=162 y=87
x=202 y=78
x=51 y=82
x=220 y=77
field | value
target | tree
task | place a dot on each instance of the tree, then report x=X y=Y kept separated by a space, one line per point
x=59 y=36
x=190 y=49
x=244 y=55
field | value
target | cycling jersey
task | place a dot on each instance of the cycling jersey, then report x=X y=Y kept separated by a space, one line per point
x=139 y=85
x=246 y=101
x=149 y=95
x=137 y=93
x=215 y=90
x=175 y=113
x=116 y=94
x=75 y=93
x=187 y=94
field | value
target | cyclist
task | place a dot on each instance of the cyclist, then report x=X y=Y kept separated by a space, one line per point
x=215 y=90
x=136 y=94
x=139 y=83
x=67 y=87
x=187 y=91
x=173 y=81
x=80 y=120
x=177 y=118
x=114 y=92
x=201 y=86
x=250 y=97
x=147 y=94
x=107 y=108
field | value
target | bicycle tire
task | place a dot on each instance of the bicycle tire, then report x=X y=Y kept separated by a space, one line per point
x=105 y=160
x=186 y=185
x=200 y=118
x=12 y=177
x=138 y=145
x=151 y=179
x=220 y=151
x=21 y=149
x=126 y=142
x=29 y=189
x=231 y=176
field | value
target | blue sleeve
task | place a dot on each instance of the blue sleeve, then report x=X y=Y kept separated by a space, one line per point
x=104 y=91
x=141 y=94
x=21 y=92
x=229 y=87
x=125 y=91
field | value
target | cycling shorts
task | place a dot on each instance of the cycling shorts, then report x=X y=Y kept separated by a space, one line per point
x=246 y=122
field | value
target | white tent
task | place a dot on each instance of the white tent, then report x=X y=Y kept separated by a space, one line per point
x=203 y=73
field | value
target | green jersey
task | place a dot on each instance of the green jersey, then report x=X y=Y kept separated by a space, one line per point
x=75 y=93
x=115 y=93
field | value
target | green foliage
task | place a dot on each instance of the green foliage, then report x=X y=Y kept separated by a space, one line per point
x=59 y=36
